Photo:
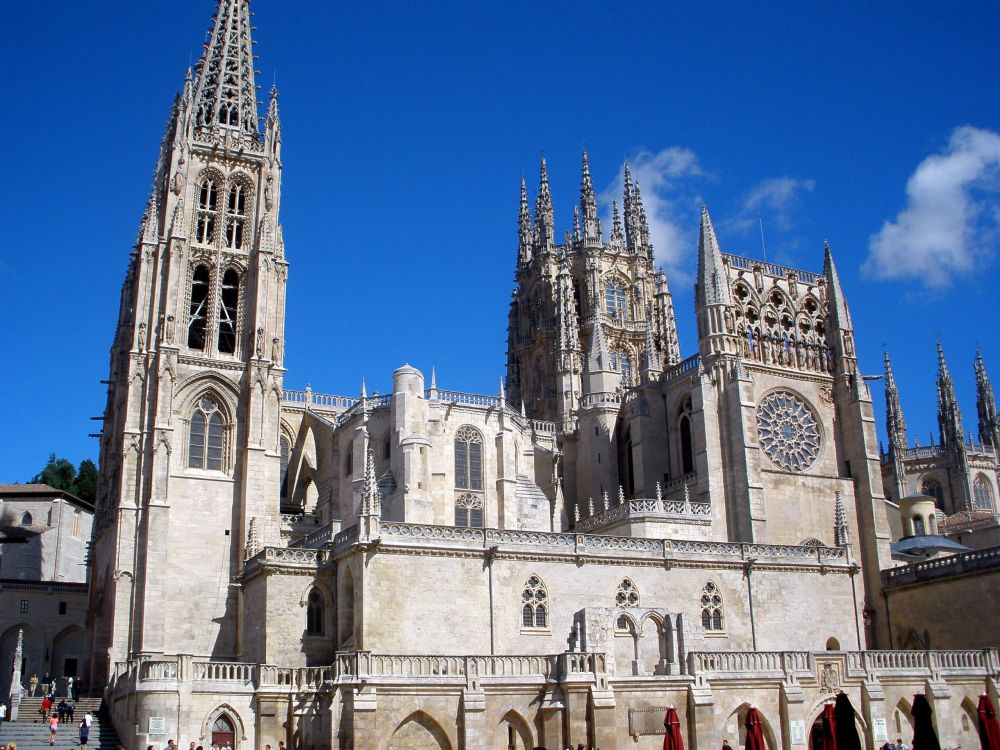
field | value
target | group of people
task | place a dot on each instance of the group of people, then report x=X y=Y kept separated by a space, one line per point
x=171 y=745
x=48 y=686
x=898 y=745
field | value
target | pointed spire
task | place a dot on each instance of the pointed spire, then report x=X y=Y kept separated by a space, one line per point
x=616 y=224
x=986 y=405
x=364 y=391
x=273 y=120
x=525 y=228
x=712 y=287
x=371 y=498
x=949 y=414
x=835 y=293
x=597 y=359
x=650 y=356
x=150 y=231
x=643 y=224
x=628 y=208
x=895 y=424
x=434 y=382
x=225 y=93
x=588 y=204
x=544 y=215
x=841 y=537
x=501 y=393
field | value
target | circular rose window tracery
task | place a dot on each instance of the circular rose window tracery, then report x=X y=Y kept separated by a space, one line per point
x=788 y=431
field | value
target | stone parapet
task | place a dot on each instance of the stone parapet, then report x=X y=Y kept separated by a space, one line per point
x=966 y=563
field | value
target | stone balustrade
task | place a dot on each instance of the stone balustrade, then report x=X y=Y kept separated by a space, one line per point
x=977 y=561
x=772 y=269
x=670 y=510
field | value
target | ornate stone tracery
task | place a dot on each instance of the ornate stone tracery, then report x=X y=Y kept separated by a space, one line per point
x=788 y=431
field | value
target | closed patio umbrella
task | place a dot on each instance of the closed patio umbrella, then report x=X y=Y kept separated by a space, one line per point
x=847 y=730
x=924 y=736
x=989 y=730
x=672 y=739
x=829 y=735
x=755 y=730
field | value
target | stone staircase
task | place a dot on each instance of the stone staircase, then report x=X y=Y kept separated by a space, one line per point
x=29 y=732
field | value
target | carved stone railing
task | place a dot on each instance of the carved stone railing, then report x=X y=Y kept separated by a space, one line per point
x=601 y=398
x=309 y=398
x=675 y=511
x=457 y=397
x=214 y=671
x=772 y=269
x=762 y=663
x=285 y=557
x=157 y=669
x=687 y=365
x=544 y=427
x=923 y=451
x=316 y=539
x=976 y=561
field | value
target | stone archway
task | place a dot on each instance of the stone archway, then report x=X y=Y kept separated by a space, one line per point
x=68 y=650
x=514 y=733
x=419 y=731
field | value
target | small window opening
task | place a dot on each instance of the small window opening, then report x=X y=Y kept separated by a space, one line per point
x=198 y=312
x=227 y=311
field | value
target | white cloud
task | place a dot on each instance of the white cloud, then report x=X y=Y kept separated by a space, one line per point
x=950 y=221
x=772 y=200
x=669 y=201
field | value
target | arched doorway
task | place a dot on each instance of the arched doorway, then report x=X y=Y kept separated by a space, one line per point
x=223 y=732
x=515 y=734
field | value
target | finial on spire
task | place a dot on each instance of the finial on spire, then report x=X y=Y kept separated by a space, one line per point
x=588 y=204
x=544 y=215
x=525 y=228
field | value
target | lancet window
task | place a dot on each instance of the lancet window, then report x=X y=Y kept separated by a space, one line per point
x=534 y=604
x=235 y=215
x=199 y=308
x=614 y=299
x=982 y=494
x=314 y=613
x=208 y=206
x=627 y=595
x=468 y=459
x=228 y=303
x=711 y=607
x=284 y=450
x=207 y=436
x=686 y=438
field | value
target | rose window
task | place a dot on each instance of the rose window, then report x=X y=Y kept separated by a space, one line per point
x=788 y=431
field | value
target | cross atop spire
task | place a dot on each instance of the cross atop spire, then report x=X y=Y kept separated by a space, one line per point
x=225 y=94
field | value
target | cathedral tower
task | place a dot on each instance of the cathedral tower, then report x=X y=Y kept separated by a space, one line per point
x=189 y=443
x=583 y=314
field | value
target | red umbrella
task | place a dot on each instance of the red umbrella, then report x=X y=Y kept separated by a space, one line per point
x=755 y=730
x=924 y=736
x=989 y=730
x=672 y=739
x=829 y=735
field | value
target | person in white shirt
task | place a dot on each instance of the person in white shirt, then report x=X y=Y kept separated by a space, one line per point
x=88 y=719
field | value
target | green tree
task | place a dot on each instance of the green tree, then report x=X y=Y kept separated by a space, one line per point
x=86 y=481
x=58 y=473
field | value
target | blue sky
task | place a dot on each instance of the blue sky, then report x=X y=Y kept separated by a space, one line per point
x=408 y=126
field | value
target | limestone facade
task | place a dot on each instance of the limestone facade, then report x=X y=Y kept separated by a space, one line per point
x=616 y=530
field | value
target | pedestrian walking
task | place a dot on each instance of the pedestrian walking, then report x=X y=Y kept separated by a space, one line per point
x=45 y=707
x=61 y=710
x=53 y=728
x=33 y=683
x=84 y=735
x=3 y=713
x=90 y=720
x=69 y=687
x=70 y=708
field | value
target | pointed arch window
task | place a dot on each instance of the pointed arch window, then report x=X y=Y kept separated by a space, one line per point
x=208 y=206
x=918 y=525
x=206 y=441
x=534 y=604
x=982 y=494
x=614 y=299
x=711 y=608
x=236 y=205
x=349 y=460
x=228 y=304
x=686 y=438
x=314 y=613
x=284 y=450
x=199 y=307
x=625 y=365
x=627 y=595
x=469 y=511
x=468 y=459
x=932 y=488
x=26 y=519
x=223 y=732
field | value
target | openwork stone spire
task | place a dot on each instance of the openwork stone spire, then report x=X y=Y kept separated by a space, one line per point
x=895 y=424
x=841 y=537
x=949 y=415
x=225 y=95
x=544 y=215
x=986 y=405
x=525 y=228
x=588 y=204
x=371 y=498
